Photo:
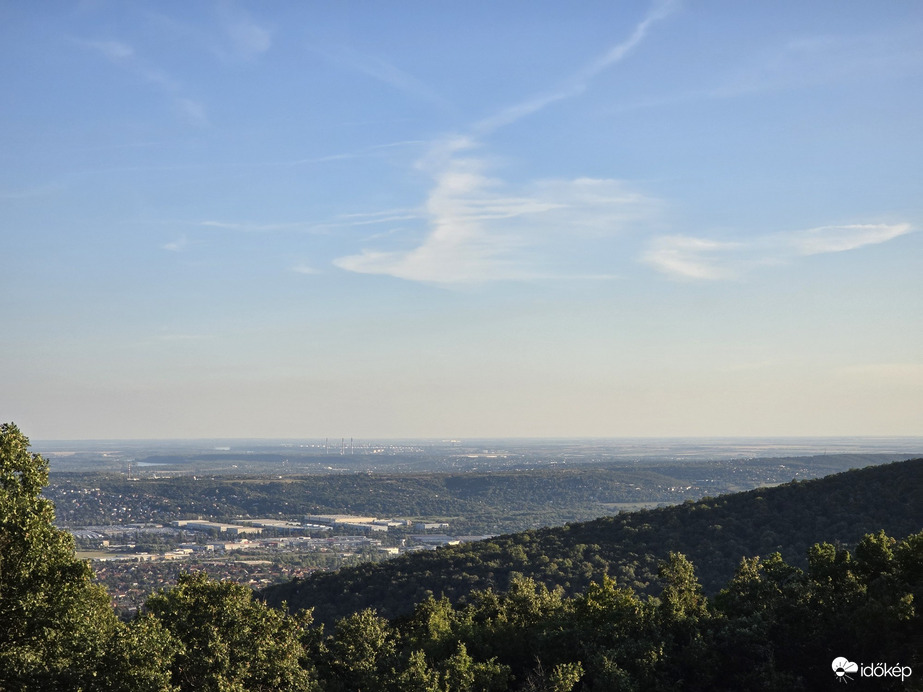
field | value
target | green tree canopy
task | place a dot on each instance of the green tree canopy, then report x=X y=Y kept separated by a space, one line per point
x=229 y=641
x=53 y=618
x=58 y=630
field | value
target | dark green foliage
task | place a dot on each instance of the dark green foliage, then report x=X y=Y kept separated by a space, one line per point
x=57 y=628
x=787 y=622
x=138 y=658
x=361 y=651
x=713 y=532
x=228 y=641
x=774 y=627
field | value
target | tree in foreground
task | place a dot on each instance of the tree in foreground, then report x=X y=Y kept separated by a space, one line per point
x=58 y=630
x=229 y=641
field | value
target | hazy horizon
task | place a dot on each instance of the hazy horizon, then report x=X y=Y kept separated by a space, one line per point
x=487 y=220
x=811 y=444
x=509 y=438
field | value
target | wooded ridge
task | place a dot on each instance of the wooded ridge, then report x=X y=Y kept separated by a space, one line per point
x=713 y=532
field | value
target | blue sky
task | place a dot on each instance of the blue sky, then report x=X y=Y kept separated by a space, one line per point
x=461 y=219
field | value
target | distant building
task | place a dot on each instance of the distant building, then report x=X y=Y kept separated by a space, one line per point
x=197 y=547
x=316 y=527
x=277 y=524
x=435 y=539
x=230 y=529
x=237 y=545
x=362 y=527
x=334 y=519
x=430 y=525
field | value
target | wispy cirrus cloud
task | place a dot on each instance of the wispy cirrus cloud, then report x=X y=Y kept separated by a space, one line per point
x=815 y=241
x=686 y=257
x=342 y=221
x=693 y=258
x=460 y=247
x=177 y=245
x=484 y=229
x=125 y=56
x=801 y=62
x=481 y=228
x=232 y=34
x=245 y=36
x=375 y=150
x=821 y=59
x=581 y=80
x=113 y=50
x=248 y=227
x=380 y=216
x=383 y=71
x=192 y=111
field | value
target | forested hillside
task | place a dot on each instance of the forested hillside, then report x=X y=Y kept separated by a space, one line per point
x=773 y=626
x=713 y=532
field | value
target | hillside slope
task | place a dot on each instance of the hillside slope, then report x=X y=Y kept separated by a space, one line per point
x=713 y=532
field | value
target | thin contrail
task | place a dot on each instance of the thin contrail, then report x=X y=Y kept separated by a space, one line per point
x=579 y=83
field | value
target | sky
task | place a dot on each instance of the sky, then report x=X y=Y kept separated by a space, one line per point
x=461 y=219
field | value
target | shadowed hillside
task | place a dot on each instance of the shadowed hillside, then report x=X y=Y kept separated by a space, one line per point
x=713 y=532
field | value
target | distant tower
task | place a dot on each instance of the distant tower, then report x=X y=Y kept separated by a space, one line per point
x=350 y=445
x=325 y=445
